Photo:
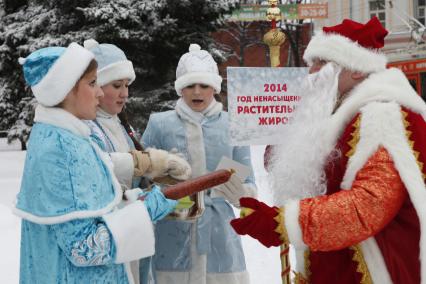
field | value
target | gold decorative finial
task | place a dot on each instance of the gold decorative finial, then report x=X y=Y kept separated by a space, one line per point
x=274 y=38
x=273 y=13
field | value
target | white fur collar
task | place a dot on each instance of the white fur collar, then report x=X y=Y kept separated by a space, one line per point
x=61 y=118
x=112 y=127
x=194 y=133
x=386 y=86
x=101 y=113
x=390 y=85
x=185 y=112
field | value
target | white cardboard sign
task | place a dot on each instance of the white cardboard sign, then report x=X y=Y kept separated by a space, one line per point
x=242 y=171
x=261 y=101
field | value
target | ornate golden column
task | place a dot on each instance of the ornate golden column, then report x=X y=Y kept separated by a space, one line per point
x=274 y=38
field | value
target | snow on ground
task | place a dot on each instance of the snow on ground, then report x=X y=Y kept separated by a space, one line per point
x=11 y=166
x=15 y=145
x=263 y=264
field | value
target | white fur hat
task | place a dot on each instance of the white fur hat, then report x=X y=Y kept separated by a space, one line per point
x=197 y=67
x=112 y=62
x=52 y=72
x=352 y=45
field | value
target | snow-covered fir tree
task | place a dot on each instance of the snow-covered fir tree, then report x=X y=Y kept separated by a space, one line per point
x=153 y=34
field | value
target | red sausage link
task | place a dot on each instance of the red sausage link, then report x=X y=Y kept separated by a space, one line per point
x=198 y=184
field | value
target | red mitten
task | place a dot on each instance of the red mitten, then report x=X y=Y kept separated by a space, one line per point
x=260 y=224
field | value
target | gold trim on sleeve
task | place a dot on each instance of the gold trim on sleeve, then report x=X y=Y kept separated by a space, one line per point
x=281 y=229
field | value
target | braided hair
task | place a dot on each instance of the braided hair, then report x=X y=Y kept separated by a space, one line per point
x=125 y=122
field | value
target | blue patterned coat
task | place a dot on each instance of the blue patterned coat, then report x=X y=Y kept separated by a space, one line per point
x=72 y=231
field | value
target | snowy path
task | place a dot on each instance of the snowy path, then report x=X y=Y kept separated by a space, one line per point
x=263 y=264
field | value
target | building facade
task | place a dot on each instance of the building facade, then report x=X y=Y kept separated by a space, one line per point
x=405 y=46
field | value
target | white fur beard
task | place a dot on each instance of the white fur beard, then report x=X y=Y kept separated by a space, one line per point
x=297 y=166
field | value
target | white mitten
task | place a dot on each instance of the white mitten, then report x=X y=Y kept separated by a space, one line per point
x=159 y=162
x=234 y=189
x=163 y=163
x=176 y=152
x=178 y=167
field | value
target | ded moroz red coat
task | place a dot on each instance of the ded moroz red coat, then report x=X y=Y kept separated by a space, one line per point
x=368 y=228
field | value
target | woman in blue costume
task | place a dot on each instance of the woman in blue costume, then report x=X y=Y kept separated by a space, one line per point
x=114 y=135
x=73 y=230
x=206 y=251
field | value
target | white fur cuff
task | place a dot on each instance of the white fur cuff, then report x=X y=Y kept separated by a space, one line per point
x=132 y=231
x=292 y=225
x=123 y=167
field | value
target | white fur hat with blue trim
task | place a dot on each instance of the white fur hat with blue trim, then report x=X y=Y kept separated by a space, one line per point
x=52 y=72
x=112 y=62
x=197 y=67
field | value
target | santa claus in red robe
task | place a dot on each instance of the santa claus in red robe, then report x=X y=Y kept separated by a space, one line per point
x=349 y=184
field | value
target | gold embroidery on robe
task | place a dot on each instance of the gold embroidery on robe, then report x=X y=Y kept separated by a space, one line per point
x=362 y=265
x=355 y=137
x=411 y=142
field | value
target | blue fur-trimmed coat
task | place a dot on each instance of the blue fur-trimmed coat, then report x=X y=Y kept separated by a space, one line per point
x=72 y=230
x=214 y=236
x=108 y=132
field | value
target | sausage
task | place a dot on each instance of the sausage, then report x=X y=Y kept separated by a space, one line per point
x=198 y=184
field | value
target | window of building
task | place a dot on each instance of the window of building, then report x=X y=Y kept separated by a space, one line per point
x=420 y=11
x=377 y=8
